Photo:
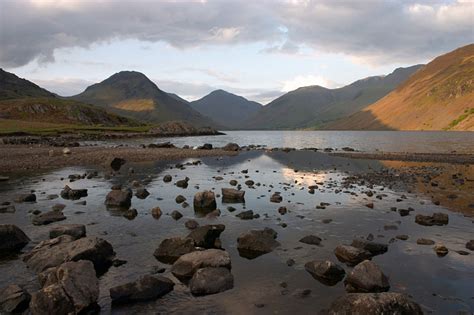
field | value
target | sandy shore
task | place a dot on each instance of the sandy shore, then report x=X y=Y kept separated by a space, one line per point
x=456 y=158
x=19 y=157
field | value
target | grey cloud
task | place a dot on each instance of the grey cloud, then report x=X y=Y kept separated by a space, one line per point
x=63 y=87
x=374 y=30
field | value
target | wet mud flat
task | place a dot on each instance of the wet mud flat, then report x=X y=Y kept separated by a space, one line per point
x=384 y=226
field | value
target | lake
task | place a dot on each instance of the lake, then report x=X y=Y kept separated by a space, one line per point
x=441 y=285
x=367 y=141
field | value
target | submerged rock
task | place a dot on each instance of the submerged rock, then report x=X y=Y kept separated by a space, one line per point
x=73 y=194
x=13 y=239
x=311 y=240
x=276 y=198
x=230 y=195
x=204 y=201
x=351 y=255
x=185 y=267
x=325 y=271
x=26 y=198
x=257 y=242
x=191 y=224
x=375 y=304
x=144 y=289
x=72 y=288
x=470 y=245
x=119 y=198
x=373 y=247
x=156 y=212
x=48 y=217
x=441 y=250
x=424 y=241
x=176 y=215
x=75 y=230
x=246 y=215
x=142 y=193
x=435 y=219
x=211 y=280
x=367 y=277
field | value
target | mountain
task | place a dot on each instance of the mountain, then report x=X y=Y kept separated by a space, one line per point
x=315 y=106
x=132 y=94
x=12 y=87
x=23 y=102
x=225 y=108
x=439 y=96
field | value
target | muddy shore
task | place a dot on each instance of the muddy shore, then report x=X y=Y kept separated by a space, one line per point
x=22 y=157
x=457 y=158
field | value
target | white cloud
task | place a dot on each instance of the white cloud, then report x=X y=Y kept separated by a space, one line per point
x=307 y=80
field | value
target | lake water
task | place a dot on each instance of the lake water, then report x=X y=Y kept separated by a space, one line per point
x=442 y=285
x=368 y=141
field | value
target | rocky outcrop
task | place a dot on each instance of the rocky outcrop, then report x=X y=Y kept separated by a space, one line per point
x=374 y=304
x=13 y=239
x=144 y=289
x=72 y=288
x=257 y=242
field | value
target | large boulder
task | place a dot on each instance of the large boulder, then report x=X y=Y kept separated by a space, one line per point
x=48 y=217
x=73 y=194
x=204 y=201
x=435 y=219
x=54 y=252
x=230 y=195
x=144 y=289
x=375 y=304
x=13 y=300
x=75 y=230
x=372 y=247
x=171 y=249
x=185 y=267
x=351 y=255
x=13 y=239
x=367 y=277
x=72 y=288
x=211 y=280
x=325 y=271
x=257 y=242
x=231 y=146
x=119 y=198
x=207 y=236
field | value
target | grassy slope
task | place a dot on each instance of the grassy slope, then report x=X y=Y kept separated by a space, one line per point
x=439 y=96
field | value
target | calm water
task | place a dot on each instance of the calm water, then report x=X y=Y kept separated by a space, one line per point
x=369 y=141
x=441 y=285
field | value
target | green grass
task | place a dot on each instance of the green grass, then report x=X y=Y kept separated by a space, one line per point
x=462 y=117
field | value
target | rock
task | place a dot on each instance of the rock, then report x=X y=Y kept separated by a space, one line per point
x=470 y=245
x=48 y=217
x=372 y=247
x=246 y=215
x=176 y=215
x=7 y=209
x=435 y=219
x=231 y=147
x=116 y=163
x=142 y=193
x=210 y=281
x=367 y=277
x=424 y=241
x=233 y=182
x=249 y=182
x=183 y=183
x=130 y=214
x=75 y=230
x=165 y=145
x=13 y=239
x=72 y=288
x=230 y=195
x=276 y=198
x=156 y=212
x=167 y=178
x=13 y=300
x=302 y=293
x=171 y=249
x=374 y=304
x=257 y=242
x=54 y=252
x=205 y=146
x=311 y=240
x=186 y=265
x=191 y=224
x=351 y=255
x=58 y=207
x=180 y=199
x=4 y=178
x=441 y=250
x=282 y=210
x=119 y=198
x=67 y=151
x=325 y=272
x=26 y=198
x=290 y=262
x=73 y=194
x=206 y=236
x=402 y=237
x=370 y=205
x=204 y=201
x=144 y=289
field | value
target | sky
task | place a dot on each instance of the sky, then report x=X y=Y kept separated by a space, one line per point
x=255 y=48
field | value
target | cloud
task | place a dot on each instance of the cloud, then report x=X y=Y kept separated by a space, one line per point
x=371 y=31
x=63 y=86
x=307 y=80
